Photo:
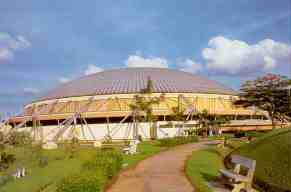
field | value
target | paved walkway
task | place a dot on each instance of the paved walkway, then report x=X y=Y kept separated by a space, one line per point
x=163 y=172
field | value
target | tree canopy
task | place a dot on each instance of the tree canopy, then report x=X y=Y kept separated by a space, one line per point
x=268 y=93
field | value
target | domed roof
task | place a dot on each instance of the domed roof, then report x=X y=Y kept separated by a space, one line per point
x=133 y=80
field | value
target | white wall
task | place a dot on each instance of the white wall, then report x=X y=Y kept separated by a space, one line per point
x=117 y=131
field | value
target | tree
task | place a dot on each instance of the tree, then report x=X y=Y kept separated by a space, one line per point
x=149 y=87
x=203 y=120
x=267 y=93
x=216 y=121
x=178 y=114
x=18 y=138
x=142 y=108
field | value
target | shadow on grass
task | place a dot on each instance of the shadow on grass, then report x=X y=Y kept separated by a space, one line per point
x=208 y=177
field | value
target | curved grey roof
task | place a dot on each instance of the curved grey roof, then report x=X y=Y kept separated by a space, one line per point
x=132 y=80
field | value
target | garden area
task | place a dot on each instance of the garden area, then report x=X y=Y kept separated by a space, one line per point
x=273 y=155
x=72 y=167
x=271 y=151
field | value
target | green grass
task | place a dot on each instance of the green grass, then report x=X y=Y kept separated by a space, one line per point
x=256 y=134
x=145 y=149
x=60 y=165
x=235 y=143
x=203 y=166
x=273 y=154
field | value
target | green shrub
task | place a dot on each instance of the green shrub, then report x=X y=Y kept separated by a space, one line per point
x=18 y=138
x=72 y=146
x=43 y=161
x=170 y=142
x=239 y=134
x=5 y=179
x=105 y=165
x=6 y=160
x=109 y=162
x=84 y=182
x=255 y=134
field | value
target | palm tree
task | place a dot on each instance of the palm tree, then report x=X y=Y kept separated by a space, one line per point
x=203 y=121
x=178 y=114
x=216 y=121
x=208 y=122
x=142 y=108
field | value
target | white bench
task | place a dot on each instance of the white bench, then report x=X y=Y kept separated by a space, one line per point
x=239 y=181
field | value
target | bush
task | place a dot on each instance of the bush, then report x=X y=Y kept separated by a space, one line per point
x=255 y=134
x=109 y=162
x=84 y=182
x=5 y=179
x=16 y=138
x=6 y=160
x=72 y=147
x=105 y=165
x=170 y=142
x=43 y=161
x=239 y=134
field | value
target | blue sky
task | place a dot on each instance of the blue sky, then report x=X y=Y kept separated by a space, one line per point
x=45 y=43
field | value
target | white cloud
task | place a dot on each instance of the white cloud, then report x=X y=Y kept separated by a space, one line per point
x=64 y=79
x=21 y=42
x=139 y=61
x=30 y=90
x=8 y=45
x=238 y=57
x=189 y=65
x=91 y=69
x=5 y=54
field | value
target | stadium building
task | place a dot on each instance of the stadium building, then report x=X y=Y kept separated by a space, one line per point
x=97 y=106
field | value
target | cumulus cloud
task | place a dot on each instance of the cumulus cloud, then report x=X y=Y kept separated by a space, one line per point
x=9 y=44
x=64 y=79
x=139 y=61
x=91 y=69
x=30 y=90
x=239 y=57
x=189 y=65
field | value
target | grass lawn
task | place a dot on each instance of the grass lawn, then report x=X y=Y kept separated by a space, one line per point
x=60 y=165
x=273 y=154
x=203 y=166
x=145 y=149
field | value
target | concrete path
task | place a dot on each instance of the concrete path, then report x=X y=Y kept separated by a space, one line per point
x=163 y=172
